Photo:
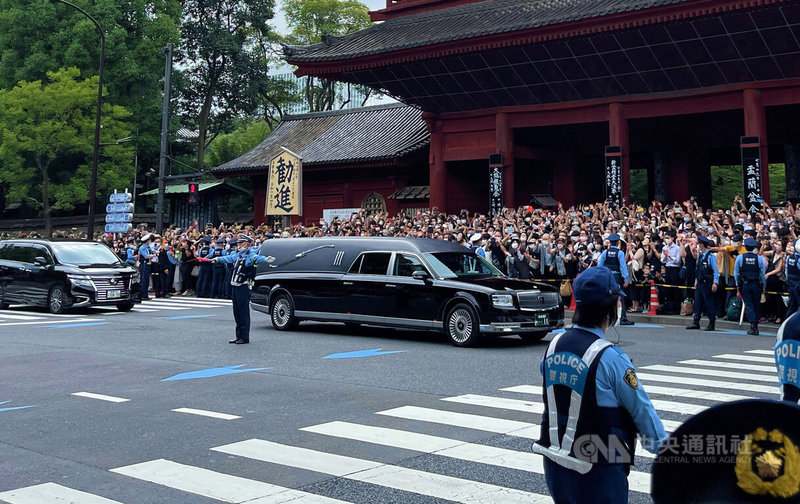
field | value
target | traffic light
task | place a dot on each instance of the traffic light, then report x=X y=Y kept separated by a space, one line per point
x=193 y=193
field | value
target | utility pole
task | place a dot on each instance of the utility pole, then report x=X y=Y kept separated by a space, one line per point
x=162 y=162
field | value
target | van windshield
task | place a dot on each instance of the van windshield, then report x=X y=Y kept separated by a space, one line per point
x=458 y=264
x=85 y=254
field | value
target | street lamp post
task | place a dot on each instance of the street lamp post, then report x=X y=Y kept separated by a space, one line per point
x=96 y=155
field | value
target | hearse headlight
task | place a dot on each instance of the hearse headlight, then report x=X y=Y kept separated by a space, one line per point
x=81 y=281
x=502 y=300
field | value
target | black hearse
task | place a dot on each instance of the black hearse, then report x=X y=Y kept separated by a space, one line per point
x=63 y=275
x=395 y=282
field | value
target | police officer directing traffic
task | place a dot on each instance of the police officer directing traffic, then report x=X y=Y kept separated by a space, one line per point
x=613 y=259
x=793 y=279
x=751 y=280
x=244 y=262
x=705 y=284
x=594 y=404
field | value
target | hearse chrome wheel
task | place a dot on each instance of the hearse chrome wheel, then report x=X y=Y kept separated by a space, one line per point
x=282 y=313
x=462 y=325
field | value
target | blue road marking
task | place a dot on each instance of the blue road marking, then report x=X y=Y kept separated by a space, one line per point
x=361 y=353
x=180 y=317
x=77 y=324
x=742 y=333
x=12 y=408
x=212 y=372
x=645 y=326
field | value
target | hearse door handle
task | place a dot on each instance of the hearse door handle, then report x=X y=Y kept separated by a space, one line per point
x=391 y=285
x=347 y=283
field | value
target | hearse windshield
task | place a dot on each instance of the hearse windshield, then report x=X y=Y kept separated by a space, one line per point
x=458 y=264
x=85 y=254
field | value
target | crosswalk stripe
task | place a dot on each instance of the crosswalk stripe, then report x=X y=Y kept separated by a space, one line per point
x=49 y=493
x=41 y=322
x=750 y=358
x=465 y=420
x=451 y=448
x=730 y=365
x=165 y=307
x=14 y=316
x=712 y=372
x=376 y=473
x=537 y=407
x=686 y=380
x=41 y=314
x=216 y=485
x=206 y=413
x=651 y=389
x=216 y=302
x=760 y=352
x=671 y=425
x=143 y=310
x=182 y=304
x=107 y=398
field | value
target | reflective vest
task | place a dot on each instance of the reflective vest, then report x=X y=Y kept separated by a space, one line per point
x=242 y=273
x=204 y=252
x=793 y=273
x=576 y=432
x=704 y=273
x=612 y=260
x=749 y=270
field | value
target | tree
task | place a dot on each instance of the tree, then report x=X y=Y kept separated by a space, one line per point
x=46 y=142
x=231 y=145
x=312 y=20
x=222 y=51
x=40 y=36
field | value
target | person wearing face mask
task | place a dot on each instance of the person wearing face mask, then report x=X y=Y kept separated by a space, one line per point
x=244 y=263
x=750 y=282
x=774 y=308
x=613 y=259
x=793 y=279
x=706 y=283
x=671 y=258
x=730 y=252
x=591 y=392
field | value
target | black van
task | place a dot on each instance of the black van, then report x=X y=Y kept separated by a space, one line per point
x=61 y=275
x=396 y=282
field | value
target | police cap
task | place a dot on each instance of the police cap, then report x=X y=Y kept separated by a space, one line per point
x=207 y=239
x=147 y=237
x=705 y=241
x=737 y=238
x=596 y=285
x=232 y=241
x=613 y=237
x=750 y=243
x=221 y=240
x=749 y=453
x=244 y=237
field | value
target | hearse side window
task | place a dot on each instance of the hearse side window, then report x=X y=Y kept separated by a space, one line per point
x=376 y=263
x=5 y=252
x=356 y=265
x=405 y=265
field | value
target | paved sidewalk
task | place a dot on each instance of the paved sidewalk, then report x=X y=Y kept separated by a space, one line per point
x=677 y=320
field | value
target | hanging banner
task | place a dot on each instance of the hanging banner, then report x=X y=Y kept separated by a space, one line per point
x=751 y=173
x=285 y=185
x=495 y=185
x=614 y=174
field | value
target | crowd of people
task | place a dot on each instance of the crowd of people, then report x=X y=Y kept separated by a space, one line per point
x=658 y=243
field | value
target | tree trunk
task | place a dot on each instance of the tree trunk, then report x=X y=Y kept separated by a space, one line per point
x=48 y=224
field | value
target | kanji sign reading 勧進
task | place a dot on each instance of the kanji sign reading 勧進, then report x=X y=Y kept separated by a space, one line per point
x=285 y=185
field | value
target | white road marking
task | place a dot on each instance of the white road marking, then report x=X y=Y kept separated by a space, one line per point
x=685 y=380
x=537 y=407
x=730 y=365
x=143 y=310
x=376 y=473
x=712 y=372
x=164 y=307
x=180 y=304
x=203 y=301
x=452 y=448
x=101 y=397
x=749 y=358
x=650 y=389
x=206 y=413
x=14 y=316
x=760 y=352
x=41 y=322
x=51 y=493
x=216 y=485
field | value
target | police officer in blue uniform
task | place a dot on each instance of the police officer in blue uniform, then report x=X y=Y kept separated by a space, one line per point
x=749 y=272
x=705 y=284
x=594 y=403
x=793 y=279
x=145 y=254
x=613 y=259
x=787 y=358
x=229 y=269
x=203 y=288
x=130 y=252
x=218 y=270
x=244 y=261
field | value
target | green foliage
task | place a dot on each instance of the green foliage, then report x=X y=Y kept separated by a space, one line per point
x=312 y=20
x=47 y=138
x=726 y=183
x=232 y=145
x=639 y=191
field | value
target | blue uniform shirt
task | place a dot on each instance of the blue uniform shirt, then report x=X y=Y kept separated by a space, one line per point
x=786 y=267
x=712 y=264
x=252 y=258
x=623 y=268
x=145 y=251
x=613 y=392
x=761 y=267
x=130 y=255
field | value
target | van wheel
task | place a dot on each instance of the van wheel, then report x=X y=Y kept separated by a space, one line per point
x=57 y=300
x=462 y=325
x=282 y=313
x=125 y=307
x=533 y=337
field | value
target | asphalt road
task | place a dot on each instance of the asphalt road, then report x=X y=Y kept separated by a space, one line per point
x=427 y=423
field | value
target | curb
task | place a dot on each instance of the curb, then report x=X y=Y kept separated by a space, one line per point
x=679 y=321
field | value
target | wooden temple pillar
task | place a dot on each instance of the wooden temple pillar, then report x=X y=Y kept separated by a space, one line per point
x=755 y=124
